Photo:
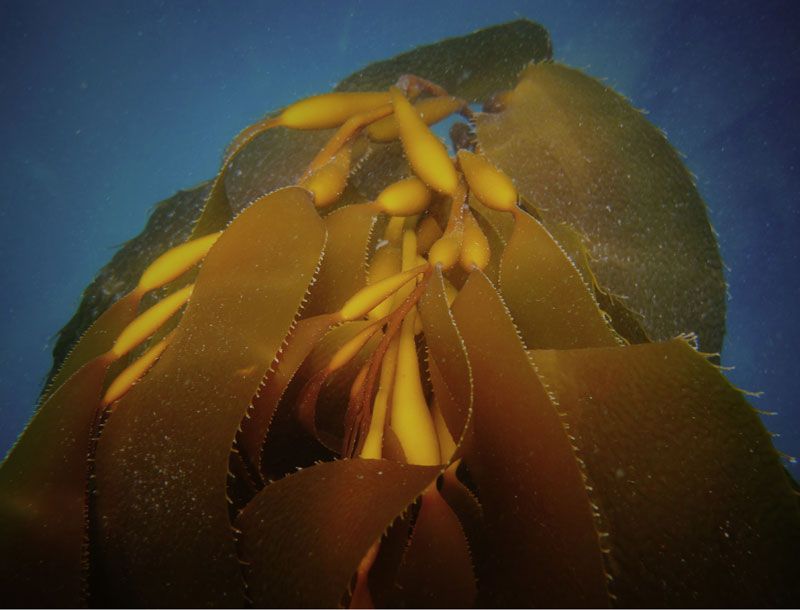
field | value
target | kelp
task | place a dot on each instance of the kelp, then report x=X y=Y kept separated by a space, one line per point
x=467 y=397
x=277 y=157
x=603 y=169
x=150 y=436
x=707 y=448
x=169 y=225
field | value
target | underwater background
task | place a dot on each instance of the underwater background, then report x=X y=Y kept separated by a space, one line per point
x=109 y=107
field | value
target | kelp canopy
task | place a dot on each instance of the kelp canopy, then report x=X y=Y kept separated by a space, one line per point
x=353 y=370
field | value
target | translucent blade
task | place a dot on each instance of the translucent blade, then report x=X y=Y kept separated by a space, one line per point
x=436 y=571
x=43 y=486
x=581 y=154
x=698 y=509
x=542 y=543
x=162 y=462
x=343 y=269
x=304 y=536
x=545 y=293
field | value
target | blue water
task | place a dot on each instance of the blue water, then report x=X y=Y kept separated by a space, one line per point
x=108 y=107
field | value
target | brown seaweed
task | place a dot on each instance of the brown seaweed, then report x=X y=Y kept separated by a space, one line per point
x=493 y=402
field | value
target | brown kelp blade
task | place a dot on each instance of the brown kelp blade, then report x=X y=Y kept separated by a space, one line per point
x=275 y=159
x=309 y=422
x=43 y=497
x=470 y=67
x=452 y=380
x=583 y=155
x=243 y=481
x=468 y=510
x=436 y=571
x=543 y=547
x=324 y=415
x=343 y=269
x=97 y=340
x=305 y=335
x=217 y=212
x=382 y=582
x=169 y=225
x=502 y=223
x=303 y=537
x=43 y=479
x=699 y=510
x=626 y=323
x=164 y=536
x=550 y=303
x=270 y=160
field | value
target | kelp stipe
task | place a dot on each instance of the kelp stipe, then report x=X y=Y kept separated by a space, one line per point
x=375 y=374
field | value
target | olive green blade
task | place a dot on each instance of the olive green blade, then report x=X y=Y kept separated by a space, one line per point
x=471 y=67
x=303 y=536
x=698 y=509
x=343 y=269
x=447 y=358
x=164 y=537
x=43 y=497
x=547 y=297
x=581 y=154
x=542 y=543
x=436 y=571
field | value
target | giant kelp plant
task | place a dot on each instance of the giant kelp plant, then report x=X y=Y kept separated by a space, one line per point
x=356 y=370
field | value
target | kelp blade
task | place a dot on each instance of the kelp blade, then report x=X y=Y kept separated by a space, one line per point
x=304 y=536
x=43 y=486
x=343 y=269
x=542 y=543
x=98 y=339
x=452 y=378
x=626 y=323
x=549 y=301
x=436 y=571
x=581 y=154
x=170 y=224
x=699 y=510
x=44 y=477
x=304 y=336
x=164 y=535
x=470 y=67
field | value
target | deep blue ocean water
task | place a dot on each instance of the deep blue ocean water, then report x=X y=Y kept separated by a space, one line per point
x=109 y=107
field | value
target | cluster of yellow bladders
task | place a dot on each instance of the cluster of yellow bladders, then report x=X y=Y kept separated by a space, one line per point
x=394 y=270
x=388 y=387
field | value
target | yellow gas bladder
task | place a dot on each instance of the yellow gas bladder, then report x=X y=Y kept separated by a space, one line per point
x=328 y=182
x=475 y=250
x=145 y=324
x=329 y=109
x=366 y=299
x=426 y=153
x=130 y=375
x=175 y=262
x=406 y=197
x=431 y=110
x=494 y=189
